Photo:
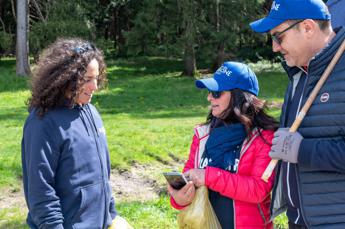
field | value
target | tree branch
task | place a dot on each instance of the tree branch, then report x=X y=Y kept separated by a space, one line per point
x=38 y=11
x=3 y=25
x=47 y=8
x=13 y=10
x=33 y=17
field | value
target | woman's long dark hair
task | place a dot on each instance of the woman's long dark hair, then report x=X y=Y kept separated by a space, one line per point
x=247 y=109
x=60 y=71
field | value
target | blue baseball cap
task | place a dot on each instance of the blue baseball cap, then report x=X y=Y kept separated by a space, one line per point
x=229 y=76
x=283 y=10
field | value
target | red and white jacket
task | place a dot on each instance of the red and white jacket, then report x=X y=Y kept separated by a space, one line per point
x=251 y=195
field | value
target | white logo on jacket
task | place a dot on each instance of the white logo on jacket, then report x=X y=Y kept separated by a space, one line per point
x=231 y=168
x=204 y=162
x=324 y=97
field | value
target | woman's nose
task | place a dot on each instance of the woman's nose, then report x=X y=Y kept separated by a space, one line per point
x=93 y=85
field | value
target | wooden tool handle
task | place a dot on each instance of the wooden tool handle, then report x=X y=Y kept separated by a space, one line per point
x=270 y=168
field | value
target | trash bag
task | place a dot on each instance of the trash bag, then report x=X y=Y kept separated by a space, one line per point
x=199 y=214
x=120 y=223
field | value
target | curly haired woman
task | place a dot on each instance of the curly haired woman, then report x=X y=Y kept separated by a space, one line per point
x=65 y=156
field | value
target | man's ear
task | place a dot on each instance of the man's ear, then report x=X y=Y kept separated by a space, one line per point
x=309 y=27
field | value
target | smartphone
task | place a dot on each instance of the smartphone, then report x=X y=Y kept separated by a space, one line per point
x=176 y=179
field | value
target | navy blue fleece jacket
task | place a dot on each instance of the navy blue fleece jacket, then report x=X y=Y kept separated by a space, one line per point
x=66 y=170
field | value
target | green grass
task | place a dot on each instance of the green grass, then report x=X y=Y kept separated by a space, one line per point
x=145 y=215
x=13 y=93
x=12 y=218
x=149 y=112
x=150 y=215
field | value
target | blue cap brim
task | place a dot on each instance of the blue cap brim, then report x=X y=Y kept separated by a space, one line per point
x=210 y=83
x=265 y=24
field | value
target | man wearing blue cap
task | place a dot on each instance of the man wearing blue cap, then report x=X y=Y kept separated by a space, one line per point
x=310 y=181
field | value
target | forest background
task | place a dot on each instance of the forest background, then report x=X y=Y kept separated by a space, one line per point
x=154 y=49
x=203 y=33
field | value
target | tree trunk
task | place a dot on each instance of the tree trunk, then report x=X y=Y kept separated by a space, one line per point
x=217 y=17
x=114 y=27
x=13 y=10
x=122 y=20
x=189 y=61
x=189 y=35
x=220 y=57
x=2 y=13
x=22 y=58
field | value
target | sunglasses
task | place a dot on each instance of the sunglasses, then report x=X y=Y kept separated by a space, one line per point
x=276 y=37
x=215 y=94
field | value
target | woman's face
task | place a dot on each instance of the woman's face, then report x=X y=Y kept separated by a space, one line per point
x=86 y=91
x=219 y=105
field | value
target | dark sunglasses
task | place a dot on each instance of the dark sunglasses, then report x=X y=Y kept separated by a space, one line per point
x=215 y=94
x=276 y=36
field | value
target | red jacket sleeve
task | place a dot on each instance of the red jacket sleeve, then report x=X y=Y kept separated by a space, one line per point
x=189 y=165
x=245 y=185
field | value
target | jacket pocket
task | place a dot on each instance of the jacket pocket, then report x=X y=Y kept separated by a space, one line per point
x=92 y=207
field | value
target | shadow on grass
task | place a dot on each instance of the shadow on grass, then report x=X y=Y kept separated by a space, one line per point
x=13 y=114
x=152 y=97
x=8 y=62
x=144 y=87
x=14 y=224
x=144 y=66
x=9 y=81
x=10 y=168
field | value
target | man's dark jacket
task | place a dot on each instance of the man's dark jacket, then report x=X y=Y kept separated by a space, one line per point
x=321 y=159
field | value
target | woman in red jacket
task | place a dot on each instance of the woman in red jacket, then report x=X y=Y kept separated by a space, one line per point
x=229 y=152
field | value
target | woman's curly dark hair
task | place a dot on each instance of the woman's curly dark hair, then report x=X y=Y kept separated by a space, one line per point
x=247 y=109
x=61 y=69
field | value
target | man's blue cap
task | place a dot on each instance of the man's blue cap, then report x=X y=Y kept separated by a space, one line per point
x=229 y=76
x=283 y=10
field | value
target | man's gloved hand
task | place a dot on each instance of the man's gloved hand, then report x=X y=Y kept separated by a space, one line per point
x=285 y=145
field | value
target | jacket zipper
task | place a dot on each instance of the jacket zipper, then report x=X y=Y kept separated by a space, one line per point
x=262 y=215
x=233 y=206
x=244 y=148
x=94 y=131
x=297 y=177
x=244 y=144
x=300 y=200
x=296 y=174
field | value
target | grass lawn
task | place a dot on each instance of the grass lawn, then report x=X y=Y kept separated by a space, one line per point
x=149 y=112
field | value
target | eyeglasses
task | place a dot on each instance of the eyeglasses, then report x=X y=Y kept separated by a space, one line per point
x=276 y=36
x=215 y=94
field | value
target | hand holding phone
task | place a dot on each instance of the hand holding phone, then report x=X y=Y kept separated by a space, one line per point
x=183 y=196
x=176 y=179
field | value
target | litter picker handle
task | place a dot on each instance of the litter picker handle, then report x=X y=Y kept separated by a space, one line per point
x=268 y=171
